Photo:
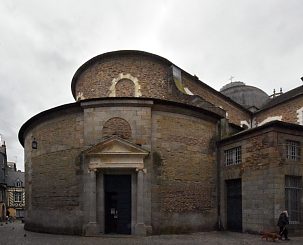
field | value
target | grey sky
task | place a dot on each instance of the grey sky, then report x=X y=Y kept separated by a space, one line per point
x=44 y=42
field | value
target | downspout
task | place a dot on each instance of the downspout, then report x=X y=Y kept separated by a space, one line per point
x=218 y=160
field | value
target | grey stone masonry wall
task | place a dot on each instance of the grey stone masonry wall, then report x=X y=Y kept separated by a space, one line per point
x=52 y=174
x=184 y=179
x=138 y=118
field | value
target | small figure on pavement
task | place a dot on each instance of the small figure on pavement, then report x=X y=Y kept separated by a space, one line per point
x=282 y=223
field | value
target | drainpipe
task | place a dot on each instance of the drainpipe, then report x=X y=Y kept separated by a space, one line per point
x=218 y=160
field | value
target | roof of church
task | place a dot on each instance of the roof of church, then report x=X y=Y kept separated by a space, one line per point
x=157 y=57
x=13 y=176
x=112 y=54
x=245 y=95
x=291 y=94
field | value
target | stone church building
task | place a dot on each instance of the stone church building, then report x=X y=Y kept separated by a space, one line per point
x=147 y=148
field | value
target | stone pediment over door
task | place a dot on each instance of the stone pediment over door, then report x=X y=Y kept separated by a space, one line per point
x=115 y=153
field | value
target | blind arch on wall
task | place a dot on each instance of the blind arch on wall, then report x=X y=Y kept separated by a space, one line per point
x=117 y=126
x=124 y=77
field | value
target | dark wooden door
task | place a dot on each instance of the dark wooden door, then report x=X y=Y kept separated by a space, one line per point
x=234 y=204
x=117 y=190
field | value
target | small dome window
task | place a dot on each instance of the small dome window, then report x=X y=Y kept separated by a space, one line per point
x=18 y=183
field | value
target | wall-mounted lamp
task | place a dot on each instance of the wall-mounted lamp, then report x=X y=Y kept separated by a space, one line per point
x=34 y=144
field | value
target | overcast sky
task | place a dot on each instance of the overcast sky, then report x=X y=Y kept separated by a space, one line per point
x=44 y=42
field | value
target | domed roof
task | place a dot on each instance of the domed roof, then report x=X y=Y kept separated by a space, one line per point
x=245 y=95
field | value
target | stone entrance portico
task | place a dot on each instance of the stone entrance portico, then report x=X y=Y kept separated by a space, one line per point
x=113 y=156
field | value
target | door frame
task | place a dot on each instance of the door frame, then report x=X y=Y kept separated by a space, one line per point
x=114 y=156
x=226 y=203
x=101 y=196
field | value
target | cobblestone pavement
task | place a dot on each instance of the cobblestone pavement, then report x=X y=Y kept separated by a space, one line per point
x=14 y=234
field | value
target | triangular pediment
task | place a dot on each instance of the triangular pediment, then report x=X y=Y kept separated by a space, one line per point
x=116 y=145
x=116 y=153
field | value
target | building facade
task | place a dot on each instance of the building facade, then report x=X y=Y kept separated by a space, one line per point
x=3 y=185
x=148 y=148
x=15 y=191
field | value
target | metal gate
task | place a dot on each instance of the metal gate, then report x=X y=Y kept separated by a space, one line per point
x=117 y=189
x=234 y=204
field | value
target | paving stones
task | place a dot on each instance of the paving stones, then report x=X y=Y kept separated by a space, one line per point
x=13 y=234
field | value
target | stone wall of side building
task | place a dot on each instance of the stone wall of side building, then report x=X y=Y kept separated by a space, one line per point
x=184 y=179
x=52 y=173
x=288 y=167
x=290 y=111
x=262 y=173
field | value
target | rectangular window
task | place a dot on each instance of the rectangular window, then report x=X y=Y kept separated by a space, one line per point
x=18 y=197
x=233 y=156
x=19 y=213
x=293 y=150
x=293 y=192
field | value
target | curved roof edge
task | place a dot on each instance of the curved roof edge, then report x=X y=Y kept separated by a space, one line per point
x=40 y=115
x=246 y=86
x=111 y=54
x=231 y=85
x=77 y=105
x=144 y=53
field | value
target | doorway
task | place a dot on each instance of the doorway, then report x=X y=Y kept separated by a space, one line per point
x=117 y=191
x=234 y=205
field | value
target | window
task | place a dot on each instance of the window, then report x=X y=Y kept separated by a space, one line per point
x=19 y=213
x=233 y=156
x=293 y=192
x=18 y=196
x=18 y=183
x=293 y=150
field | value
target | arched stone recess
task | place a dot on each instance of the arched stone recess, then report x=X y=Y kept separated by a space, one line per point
x=112 y=89
x=125 y=88
x=245 y=124
x=117 y=126
x=269 y=119
x=113 y=156
x=80 y=96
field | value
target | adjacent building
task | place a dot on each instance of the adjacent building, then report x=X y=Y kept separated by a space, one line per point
x=148 y=148
x=3 y=185
x=12 y=190
x=15 y=191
